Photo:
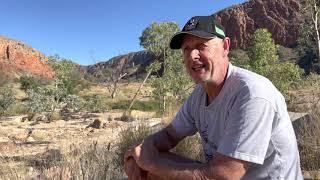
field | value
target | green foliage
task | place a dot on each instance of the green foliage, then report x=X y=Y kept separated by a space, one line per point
x=28 y=82
x=239 y=58
x=172 y=81
x=283 y=75
x=74 y=103
x=263 y=53
x=308 y=45
x=94 y=104
x=308 y=82
x=264 y=60
x=68 y=72
x=45 y=98
x=157 y=36
x=287 y=54
x=138 y=105
x=17 y=108
x=6 y=99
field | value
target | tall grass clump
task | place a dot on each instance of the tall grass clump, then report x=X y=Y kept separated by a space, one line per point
x=128 y=137
x=309 y=142
x=190 y=147
x=81 y=161
x=9 y=169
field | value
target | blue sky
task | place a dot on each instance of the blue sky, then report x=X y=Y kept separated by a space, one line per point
x=88 y=32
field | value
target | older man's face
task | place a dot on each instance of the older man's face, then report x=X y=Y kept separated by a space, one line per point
x=204 y=59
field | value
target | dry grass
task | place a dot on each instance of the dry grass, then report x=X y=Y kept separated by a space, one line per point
x=10 y=170
x=191 y=147
x=82 y=161
x=309 y=142
x=128 y=137
x=306 y=98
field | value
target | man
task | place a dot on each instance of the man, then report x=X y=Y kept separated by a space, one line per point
x=242 y=119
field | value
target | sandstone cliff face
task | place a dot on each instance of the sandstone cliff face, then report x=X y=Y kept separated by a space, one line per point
x=133 y=64
x=19 y=58
x=280 y=17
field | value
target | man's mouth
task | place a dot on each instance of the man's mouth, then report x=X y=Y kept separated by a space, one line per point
x=198 y=67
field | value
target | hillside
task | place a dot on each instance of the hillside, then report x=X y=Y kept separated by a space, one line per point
x=134 y=64
x=16 y=58
x=281 y=17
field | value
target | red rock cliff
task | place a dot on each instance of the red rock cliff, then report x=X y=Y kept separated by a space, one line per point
x=18 y=57
x=280 y=17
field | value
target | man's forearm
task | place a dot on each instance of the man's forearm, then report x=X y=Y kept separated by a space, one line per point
x=164 y=140
x=168 y=165
x=170 y=169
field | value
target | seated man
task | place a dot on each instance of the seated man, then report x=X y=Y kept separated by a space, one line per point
x=242 y=119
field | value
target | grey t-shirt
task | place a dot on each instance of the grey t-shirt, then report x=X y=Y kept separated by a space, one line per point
x=249 y=121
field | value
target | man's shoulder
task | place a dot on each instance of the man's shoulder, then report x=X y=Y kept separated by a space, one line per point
x=248 y=77
x=253 y=84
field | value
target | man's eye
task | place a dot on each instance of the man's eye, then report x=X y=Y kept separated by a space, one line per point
x=202 y=47
x=185 y=50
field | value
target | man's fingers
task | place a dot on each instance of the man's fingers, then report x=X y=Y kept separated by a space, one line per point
x=129 y=167
x=128 y=154
x=133 y=171
x=136 y=173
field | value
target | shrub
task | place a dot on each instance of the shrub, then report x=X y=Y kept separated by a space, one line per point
x=17 y=108
x=264 y=60
x=239 y=58
x=128 y=137
x=46 y=99
x=138 y=105
x=74 y=103
x=28 y=82
x=126 y=118
x=69 y=73
x=6 y=99
x=94 y=104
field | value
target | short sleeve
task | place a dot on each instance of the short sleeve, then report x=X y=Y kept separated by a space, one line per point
x=184 y=122
x=248 y=130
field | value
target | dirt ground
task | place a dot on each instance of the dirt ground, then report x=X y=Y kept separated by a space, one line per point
x=25 y=138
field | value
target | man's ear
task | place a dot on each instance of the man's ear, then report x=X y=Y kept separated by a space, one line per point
x=226 y=45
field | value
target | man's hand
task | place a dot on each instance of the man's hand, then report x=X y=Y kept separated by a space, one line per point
x=145 y=154
x=133 y=171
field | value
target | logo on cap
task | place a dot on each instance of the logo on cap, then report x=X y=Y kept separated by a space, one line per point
x=192 y=23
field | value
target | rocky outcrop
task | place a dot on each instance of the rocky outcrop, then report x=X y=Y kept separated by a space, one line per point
x=17 y=57
x=280 y=17
x=134 y=64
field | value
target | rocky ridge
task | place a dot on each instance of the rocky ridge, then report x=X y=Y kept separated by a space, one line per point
x=281 y=17
x=17 y=57
x=134 y=64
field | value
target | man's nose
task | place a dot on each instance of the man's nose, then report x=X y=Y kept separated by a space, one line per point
x=195 y=54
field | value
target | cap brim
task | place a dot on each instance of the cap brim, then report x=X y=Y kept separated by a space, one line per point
x=176 y=40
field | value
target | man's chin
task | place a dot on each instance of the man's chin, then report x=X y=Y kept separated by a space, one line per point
x=201 y=81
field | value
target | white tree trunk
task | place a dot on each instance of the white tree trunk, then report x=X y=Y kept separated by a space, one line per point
x=141 y=85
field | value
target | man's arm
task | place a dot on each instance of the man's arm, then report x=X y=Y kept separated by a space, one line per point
x=220 y=167
x=165 y=139
x=161 y=141
x=148 y=158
